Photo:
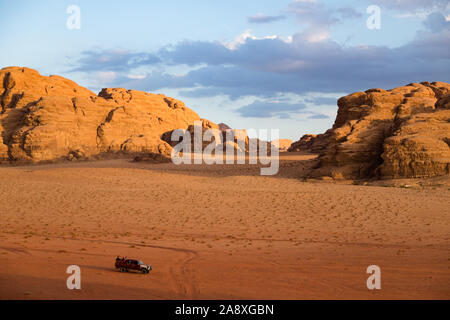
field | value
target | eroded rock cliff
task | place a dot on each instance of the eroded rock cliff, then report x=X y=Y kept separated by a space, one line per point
x=313 y=143
x=398 y=133
x=49 y=118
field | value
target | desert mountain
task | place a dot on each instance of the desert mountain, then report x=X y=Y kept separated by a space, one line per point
x=52 y=118
x=48 y=118
x=282 y=144
x=402 y=132
x=397 y=133
x=224 y=137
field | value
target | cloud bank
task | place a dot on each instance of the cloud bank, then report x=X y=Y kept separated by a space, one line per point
x=309 y=61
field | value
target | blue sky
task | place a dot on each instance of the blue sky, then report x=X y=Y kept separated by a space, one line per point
x=249 y=63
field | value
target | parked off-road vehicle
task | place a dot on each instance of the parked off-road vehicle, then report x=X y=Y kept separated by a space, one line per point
x=125 y=265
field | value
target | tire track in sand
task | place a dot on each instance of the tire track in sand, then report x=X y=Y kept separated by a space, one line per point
x=182 y=278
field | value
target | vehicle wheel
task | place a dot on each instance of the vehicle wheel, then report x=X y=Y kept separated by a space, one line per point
x=122 y=269
x=144 y=271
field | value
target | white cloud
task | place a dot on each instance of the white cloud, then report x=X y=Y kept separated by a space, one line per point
x=317 y=35
x=419 y=14
x=242 y=38
x=414 y=5
x=317 y=18
x=136 y=76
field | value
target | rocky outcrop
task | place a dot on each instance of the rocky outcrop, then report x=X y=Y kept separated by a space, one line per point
x=282 y=144
x=237 y=139
x=223 y=126
x=398 y=133
x=49 y=118
x=312 y=143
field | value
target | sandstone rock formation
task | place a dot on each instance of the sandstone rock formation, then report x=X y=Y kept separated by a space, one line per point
x=398 y=133
x=282 y=144
x=237 y=139
x=313 y=143
x=223 y=126
x=49 y=118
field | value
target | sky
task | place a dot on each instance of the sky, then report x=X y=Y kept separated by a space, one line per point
x=253 y=64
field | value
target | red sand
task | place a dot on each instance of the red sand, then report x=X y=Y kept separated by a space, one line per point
x=213 y=232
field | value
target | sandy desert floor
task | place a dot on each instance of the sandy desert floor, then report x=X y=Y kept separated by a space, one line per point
x=218 y=232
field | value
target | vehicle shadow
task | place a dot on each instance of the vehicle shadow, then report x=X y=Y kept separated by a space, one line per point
x=111 y=269
x=98 y=268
